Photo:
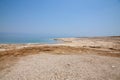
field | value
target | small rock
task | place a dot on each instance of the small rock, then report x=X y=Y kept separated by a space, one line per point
x=68 y=64
x=113 y=66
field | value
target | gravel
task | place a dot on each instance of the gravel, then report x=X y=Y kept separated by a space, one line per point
x=63 y=67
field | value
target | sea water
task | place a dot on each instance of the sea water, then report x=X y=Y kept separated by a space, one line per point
x=17 y=40
x=10 y=38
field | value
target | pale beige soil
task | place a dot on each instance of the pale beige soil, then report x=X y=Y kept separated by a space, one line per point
x=75 y=59
x=63 y=67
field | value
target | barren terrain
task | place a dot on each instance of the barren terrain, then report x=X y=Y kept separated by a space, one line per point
x=96 y=58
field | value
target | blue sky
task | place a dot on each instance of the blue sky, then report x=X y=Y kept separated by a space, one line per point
x=60 y=17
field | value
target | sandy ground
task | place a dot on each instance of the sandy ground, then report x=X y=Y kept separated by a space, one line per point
x=63 y=67
x=75 y=59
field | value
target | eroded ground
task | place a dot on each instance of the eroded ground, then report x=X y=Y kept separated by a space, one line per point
x=95 y=58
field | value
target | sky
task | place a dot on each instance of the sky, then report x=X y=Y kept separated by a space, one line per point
x=60 y=17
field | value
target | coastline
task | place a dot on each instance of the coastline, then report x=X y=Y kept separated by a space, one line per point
x=96 y=49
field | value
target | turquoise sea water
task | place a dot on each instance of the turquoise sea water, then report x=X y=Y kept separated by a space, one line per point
x=14 y=38
x=26 y=40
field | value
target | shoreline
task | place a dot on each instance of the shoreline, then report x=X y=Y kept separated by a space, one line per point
x=59 y=40
x=105 y=44
x=92 y=51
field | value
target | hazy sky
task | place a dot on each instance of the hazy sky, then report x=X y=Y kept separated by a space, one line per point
x=60 y=17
